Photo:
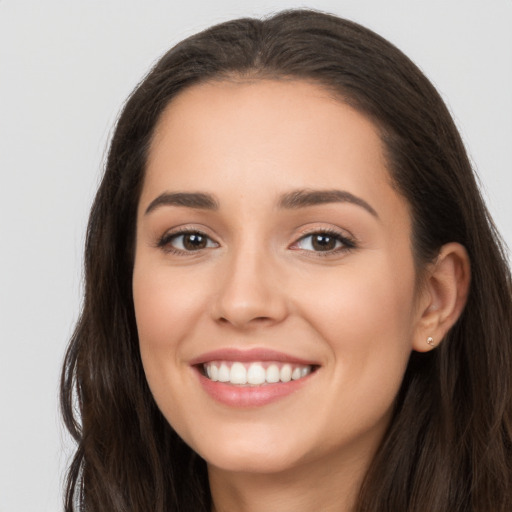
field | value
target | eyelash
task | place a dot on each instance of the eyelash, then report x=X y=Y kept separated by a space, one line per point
x=347 y=243
x=165 y=243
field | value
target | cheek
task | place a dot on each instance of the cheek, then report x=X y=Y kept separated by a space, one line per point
x=166 y=305
x=164 y=314
x=366 y=313
x=366 y=317
x=363 y=295
x=166 y=311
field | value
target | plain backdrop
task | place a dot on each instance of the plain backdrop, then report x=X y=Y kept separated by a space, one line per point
x=65 y=69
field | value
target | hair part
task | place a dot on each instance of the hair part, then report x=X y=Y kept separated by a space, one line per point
x=449 y=445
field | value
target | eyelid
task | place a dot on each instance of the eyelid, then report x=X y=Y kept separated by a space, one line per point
x=164 y=242
x=348 y=241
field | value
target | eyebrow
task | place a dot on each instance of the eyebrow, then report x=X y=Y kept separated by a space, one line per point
x=187 y=199
x=306 y=197
x=289 y=201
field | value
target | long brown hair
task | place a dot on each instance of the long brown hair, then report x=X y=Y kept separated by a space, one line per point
x=449 y=445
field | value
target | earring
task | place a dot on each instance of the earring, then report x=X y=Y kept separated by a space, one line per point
x=430 y=341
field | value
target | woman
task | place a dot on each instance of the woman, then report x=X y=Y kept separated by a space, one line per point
x=295 y=296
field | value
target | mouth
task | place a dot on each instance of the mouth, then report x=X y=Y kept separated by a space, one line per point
x=252 y=378
x=256 y=373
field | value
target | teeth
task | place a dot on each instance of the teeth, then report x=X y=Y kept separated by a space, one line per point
x=224 y=373
x=238 y=374
x=296 y=374
x=273 y=374
x=213 y=373
x=254 y=374
x=286 y=373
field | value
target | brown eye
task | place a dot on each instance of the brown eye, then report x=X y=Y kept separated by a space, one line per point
x=323 y=242
x=188 y=241
x=194 y=241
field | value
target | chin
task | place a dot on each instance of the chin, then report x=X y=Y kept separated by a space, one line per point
x=256 y=462
x=248 y=456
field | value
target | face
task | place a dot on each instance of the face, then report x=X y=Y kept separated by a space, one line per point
x=274 y=283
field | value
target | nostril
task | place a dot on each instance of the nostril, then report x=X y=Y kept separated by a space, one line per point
x=261 y=319
x=244 y=323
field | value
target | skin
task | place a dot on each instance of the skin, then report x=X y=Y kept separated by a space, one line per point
x=259 y=283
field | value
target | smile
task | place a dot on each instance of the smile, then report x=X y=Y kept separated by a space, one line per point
x=254 y=373
x=252 y=378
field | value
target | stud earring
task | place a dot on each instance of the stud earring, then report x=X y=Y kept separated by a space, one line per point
x=430 y=341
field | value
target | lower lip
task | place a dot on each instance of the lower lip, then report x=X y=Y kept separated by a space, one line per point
x=250 y=396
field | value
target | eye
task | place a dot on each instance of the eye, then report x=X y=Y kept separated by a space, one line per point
x=186 y=241
x=324 y=241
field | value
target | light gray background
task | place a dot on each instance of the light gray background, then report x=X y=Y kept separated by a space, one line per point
x=65 y=68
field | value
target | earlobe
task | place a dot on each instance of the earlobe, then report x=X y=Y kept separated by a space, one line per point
x=444 y=296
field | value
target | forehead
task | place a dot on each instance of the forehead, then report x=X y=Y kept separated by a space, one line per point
x=265 y=137
x=262 y=115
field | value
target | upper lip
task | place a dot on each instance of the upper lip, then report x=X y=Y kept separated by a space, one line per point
x=249 y=355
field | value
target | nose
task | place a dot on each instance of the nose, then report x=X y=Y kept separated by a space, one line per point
x=251 y=291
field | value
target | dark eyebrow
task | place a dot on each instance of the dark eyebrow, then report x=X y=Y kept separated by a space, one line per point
x=303 y=198
x=186 y=199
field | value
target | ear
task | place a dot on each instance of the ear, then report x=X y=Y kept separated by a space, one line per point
x=443 y=296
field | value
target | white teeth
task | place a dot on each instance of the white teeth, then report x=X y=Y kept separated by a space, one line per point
x=213 y=373
x=255 y=374
x=224 y=373
x=238 y=374
x=273 y=374
x=296 y=374
x=286 y=373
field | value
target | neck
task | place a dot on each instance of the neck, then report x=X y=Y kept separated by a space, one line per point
x=330 y=487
